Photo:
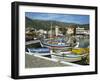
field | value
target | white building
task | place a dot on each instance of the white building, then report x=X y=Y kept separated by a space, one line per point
x=41 y=31
x=86 y=32
x=80 y=30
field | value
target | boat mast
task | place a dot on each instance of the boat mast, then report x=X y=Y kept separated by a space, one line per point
x=51 y=30
x=51 y=51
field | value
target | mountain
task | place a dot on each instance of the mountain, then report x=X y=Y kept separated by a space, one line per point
x=46 y=24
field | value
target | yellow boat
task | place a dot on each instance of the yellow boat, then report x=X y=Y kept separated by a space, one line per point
x=80 y=50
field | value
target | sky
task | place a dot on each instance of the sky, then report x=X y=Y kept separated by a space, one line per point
x=68 y=18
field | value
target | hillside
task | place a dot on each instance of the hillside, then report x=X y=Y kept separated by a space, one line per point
x=42 y=24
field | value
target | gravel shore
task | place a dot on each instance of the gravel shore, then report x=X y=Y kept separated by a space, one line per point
x=36 y=62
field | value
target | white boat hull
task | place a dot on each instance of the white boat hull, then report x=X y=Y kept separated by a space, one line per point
x=66 y=59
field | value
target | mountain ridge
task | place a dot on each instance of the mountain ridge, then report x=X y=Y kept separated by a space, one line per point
x=46 y=24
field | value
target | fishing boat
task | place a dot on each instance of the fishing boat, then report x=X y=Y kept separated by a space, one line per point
x=39 y=51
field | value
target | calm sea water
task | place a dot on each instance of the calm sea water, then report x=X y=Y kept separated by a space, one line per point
x=84 y=43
